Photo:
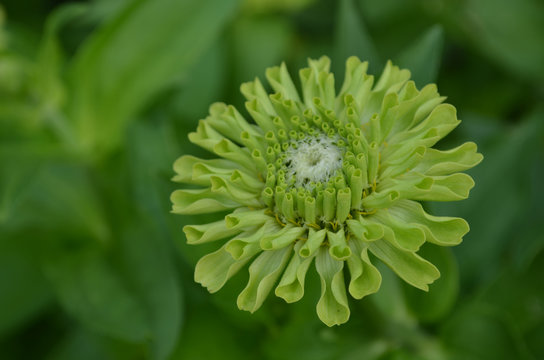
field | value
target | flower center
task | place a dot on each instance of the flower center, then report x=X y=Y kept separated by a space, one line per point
x=312 y=160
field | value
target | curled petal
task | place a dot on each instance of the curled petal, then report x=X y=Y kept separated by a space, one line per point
x=281 y=82
x=412 y=268
x=214 y=269
x=228 y=121
x=240 y=194
x=205 y=136
x=230 y=151
x=185 y=165
x=200 y=201
x=246 y=219
x=365 y=278
x=365 y=230
x=248 y=243
x=338 y=246
x=443 y=119
x=440 y=230
x=318 y=83
x=200 y=234
x=461 y=158
x=282 y=238
x=291 y=286
x=254 y=91
x=445 y=188
x=403 y=235
x=314 y=241
x=332 y=307
x=263 y=274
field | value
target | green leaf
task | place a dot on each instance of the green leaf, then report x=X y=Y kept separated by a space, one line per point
x=506 y=32
x=28 y=199
x=83 y=344
x=495 y=215
x=423 y=57
x=482 y=332
x=25 y=291
x=434 y=305
x=390 y=299
x=258 y=43
x=209 y=335
x=203 y=84
x=113 y=75
x=148 y=265
x=91 y=290
x=352 y=38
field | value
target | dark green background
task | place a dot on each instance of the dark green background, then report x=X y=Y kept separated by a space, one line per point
x=96 y=100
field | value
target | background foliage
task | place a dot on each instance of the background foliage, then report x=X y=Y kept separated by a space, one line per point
x=96 y=100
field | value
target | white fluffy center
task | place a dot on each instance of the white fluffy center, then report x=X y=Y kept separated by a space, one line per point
x=315 y=159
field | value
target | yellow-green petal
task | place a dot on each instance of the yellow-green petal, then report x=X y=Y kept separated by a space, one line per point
x=263 y=274
x=332 y=307
x=409 y=266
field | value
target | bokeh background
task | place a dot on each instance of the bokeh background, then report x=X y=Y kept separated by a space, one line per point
x=96 y=100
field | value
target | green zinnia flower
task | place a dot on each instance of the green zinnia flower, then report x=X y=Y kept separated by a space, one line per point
x=325 y=177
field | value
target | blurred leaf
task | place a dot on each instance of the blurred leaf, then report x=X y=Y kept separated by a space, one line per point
x=482 y=333
x=500 y=199
x=352 y=38
x=390 y=298
x=151 y=273
x=145 y=250
x=208 y=335
x=515 y=293
x=23 y=288
x=530 y=241
x=203 y=85
x=534 y=341
x=508 y=33
x=47 y=78
x=307 y=338
x=268 y=6
x=123 y=66
x=423 y=57
x=432 y=306
x=56 y=197
x=93 y=292
x=257 y=43
x=83 y=345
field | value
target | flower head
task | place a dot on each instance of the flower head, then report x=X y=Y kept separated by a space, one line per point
x=324 y=178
